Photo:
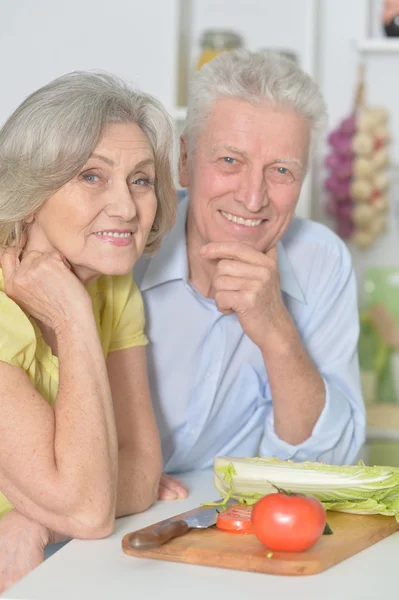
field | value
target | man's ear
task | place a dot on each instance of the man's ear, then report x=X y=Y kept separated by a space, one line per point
x=184 y=179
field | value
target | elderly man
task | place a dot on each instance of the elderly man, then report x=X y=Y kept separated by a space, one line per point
x=251 y=312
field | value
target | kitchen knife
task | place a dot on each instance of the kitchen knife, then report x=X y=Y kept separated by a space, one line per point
x=158 y=534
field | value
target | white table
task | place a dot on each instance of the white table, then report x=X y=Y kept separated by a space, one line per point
x=99 y=570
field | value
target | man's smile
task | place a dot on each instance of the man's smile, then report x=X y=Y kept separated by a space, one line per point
x=241 y=220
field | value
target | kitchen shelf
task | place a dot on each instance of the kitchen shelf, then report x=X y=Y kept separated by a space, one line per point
x=379 y=46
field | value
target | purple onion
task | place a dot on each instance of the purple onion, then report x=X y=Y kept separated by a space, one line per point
x=345 y=228
x=332 y=184
x=344 y=211
x=348 y=125
x=342 y=190
x=332 y=161
x=331 y=206
x=336 y=138
x=345 y=170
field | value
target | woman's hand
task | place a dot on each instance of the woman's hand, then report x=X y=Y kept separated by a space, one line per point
x=44 y=285
x=171 y=488
x=22 y=543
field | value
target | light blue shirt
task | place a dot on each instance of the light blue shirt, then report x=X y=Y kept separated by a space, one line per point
x=208 y=380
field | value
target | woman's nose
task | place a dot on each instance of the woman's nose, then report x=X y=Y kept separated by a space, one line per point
x=121 y=203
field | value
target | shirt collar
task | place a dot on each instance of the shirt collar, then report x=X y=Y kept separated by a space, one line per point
x=170 y=263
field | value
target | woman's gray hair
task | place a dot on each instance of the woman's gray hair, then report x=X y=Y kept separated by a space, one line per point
x=52 y=134
x=254 y=77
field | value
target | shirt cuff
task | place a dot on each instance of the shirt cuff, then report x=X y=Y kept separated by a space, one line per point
x=332 y=439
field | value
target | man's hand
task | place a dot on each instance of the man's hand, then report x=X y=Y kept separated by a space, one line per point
x=22 y=543
x=171 y=488
x=247 y=282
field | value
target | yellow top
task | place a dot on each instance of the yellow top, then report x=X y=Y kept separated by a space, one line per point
x=119 y=313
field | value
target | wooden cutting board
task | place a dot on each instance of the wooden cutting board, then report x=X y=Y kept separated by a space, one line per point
x=212 y=547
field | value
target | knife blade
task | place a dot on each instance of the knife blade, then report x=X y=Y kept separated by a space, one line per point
x=160 y=533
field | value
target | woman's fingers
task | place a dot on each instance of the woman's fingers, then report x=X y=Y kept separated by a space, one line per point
x=9 y=263
x=171 y=488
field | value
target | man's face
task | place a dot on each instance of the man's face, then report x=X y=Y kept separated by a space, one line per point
x=245 y=173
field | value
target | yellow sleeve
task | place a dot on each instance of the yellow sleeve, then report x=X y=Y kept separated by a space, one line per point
x=128 y=319
x=17 y=336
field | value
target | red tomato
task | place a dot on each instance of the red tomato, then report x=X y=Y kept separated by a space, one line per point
x=237 y=518
x=288 y=523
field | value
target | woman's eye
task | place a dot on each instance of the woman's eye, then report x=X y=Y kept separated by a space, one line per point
x=90 y=177
x=143 y=181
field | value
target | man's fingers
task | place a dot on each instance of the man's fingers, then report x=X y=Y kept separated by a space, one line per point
x=238 y=251
x=272 y=253
x=231 y=283
x=244 y=270
x=232 y=251
x=227 y=301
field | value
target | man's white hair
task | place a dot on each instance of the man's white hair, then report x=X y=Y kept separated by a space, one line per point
x=255 y=77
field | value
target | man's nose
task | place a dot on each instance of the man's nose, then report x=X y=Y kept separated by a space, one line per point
x=252 y=191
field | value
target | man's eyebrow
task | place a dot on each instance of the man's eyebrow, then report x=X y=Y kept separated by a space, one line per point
x=288 y=161
x=229 y=149
x=234 y=150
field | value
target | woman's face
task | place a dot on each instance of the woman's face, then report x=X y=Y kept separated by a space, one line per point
x=100 y=220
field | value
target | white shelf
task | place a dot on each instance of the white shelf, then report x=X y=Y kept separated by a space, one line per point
x=379 y=46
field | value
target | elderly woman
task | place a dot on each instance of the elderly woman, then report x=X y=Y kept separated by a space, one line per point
x=86 y=187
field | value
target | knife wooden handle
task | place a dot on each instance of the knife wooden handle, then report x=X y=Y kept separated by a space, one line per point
x=154 y=536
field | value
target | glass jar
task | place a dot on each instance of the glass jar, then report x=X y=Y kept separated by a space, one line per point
x=216 y=41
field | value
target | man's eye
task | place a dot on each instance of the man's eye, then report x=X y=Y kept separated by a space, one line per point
x=280 y=175
x=229 y=160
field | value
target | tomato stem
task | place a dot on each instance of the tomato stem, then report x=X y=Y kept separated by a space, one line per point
x=282 y=491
